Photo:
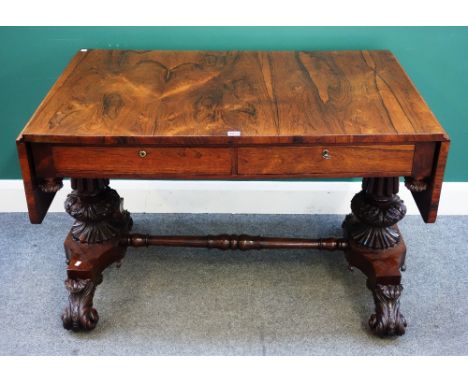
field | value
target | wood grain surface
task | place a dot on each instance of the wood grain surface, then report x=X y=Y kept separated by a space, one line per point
x=233 y=115
x=352 y=160
x=248 y=97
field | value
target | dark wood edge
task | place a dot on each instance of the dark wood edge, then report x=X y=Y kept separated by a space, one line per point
x=236 y=145
x=428 y=200
x=233 y=141
x=38 y=202
x=234 y=161
x=226 y=176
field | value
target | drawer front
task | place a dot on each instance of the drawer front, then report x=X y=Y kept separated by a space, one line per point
x=141 y=161
x=327 y=161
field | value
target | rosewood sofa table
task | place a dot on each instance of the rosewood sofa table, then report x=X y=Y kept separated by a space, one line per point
x=233 y=115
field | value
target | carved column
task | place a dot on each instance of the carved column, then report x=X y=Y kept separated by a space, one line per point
x=91 y=246
x=377 y=248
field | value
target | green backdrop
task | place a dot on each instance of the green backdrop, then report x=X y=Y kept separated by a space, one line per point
x=436 y=58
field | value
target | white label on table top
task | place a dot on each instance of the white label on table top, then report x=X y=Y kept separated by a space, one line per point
x=234 y=133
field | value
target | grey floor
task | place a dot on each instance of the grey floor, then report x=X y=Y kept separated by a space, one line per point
x=207 y=302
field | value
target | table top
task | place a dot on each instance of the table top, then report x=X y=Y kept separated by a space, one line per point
x=219 y=97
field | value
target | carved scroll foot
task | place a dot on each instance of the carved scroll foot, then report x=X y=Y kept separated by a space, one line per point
x=80 y=314
x=387 y=319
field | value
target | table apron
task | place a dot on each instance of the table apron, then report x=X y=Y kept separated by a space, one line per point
x=250 y=162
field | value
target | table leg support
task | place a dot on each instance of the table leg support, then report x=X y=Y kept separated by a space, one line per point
x=376 y=247
x=91 y=246
x=387 y=319
x=80 y=313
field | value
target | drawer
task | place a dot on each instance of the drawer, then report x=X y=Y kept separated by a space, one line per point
x=326 y=161
x=140 y=161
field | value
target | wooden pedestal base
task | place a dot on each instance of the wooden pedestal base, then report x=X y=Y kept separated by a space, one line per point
x=100 y=235
x=375 y=246
x=382 y=268
x=86 y=262
x=91 y=246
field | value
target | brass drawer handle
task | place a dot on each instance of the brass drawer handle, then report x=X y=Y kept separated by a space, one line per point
x=142 y=153
x=326 y=154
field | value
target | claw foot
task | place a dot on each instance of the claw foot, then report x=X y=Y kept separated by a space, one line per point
x=80 y=314
x=387 y=320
